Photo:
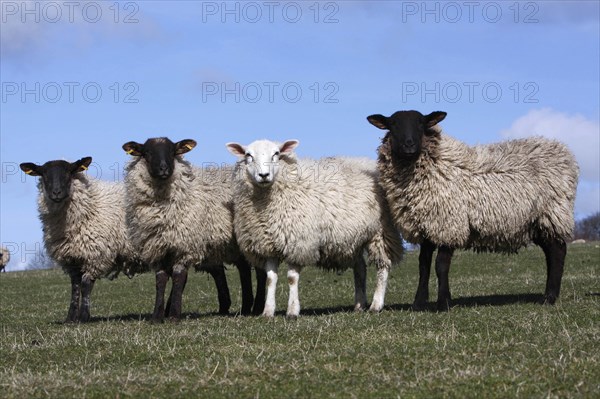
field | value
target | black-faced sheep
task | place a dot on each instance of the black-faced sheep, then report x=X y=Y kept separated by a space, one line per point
x=303 y=212
x=84 y=229
x=444 y=194
x=179 y=216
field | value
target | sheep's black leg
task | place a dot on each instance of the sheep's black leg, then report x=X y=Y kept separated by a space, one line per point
x=360 y=284
x=442 y=268
x=87 y=285
x=75 y=297
x=261 y=287
x=425 y=257
x=555 y=252
x=170 y=300
x=218 y=273
x=246 y=281
x=179 y=280
x=159 y=305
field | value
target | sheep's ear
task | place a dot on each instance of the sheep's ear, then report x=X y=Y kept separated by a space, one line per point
x=236 y=149
x=434 y=118
x=133 y=148
x=379 y=121
x=31 y=169
x=82 y=165
x=288 y=146
x=184 y=146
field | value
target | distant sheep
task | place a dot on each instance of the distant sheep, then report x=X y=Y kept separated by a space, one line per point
x=83 y=222
x=303 y=212
x=447 y=195
x=179 y=217
x=4 y=258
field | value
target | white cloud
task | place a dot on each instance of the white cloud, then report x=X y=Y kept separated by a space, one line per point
x=579 y=133
x=583 y=138
x=32 y=28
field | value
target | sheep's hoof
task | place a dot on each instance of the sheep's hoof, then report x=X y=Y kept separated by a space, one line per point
x=291 y=316
x=224 y=312
x=84 y=317
x=549 y=300
x=359 y=308
x=174 y=320
x=443 y=305
x=157 y=320
x=375 y=308
x=246 y=310
x=257 y=312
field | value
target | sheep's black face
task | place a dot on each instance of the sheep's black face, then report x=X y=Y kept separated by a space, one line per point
x=57 y=176
x=406 y=130
x=159 y=154
x=406 y=133
x=160 y=157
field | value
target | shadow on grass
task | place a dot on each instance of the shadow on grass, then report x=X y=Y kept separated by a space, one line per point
x=467 y=302
x=147 y=317
x=482 y=300
x=498 y=300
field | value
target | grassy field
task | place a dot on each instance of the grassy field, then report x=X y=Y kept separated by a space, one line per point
x=497 y=341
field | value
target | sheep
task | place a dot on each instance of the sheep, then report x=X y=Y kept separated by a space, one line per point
x=444 y=194
x=305 y=212
x=4 y=258
x=180 y=216
x=83 y=222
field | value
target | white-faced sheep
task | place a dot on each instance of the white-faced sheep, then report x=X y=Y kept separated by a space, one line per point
x=304 y=212
x=180 y=216
x=83 y=222
x=447 y=195
x=4 y=258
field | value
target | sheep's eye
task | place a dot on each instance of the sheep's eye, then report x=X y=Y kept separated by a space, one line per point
x=276 y=155
x=249 y=158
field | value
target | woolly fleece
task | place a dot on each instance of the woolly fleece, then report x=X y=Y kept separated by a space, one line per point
x=322 y=213
x=86 y=232
x=188 y=217
x=496 y=197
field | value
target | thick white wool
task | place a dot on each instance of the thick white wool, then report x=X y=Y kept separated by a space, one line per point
x=322 y=213
x=188 y=217
x=496 y=197
x=86 y=232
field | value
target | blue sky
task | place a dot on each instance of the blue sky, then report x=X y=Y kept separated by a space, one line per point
x=82 y=78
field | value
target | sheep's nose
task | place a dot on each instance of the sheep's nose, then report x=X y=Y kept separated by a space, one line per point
x=264 y=175
x=409 y=142
x=163 y=167
x=57 y=192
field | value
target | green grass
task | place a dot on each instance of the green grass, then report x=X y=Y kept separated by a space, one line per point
x=496 y=341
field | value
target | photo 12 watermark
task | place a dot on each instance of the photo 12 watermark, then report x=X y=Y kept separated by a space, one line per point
x=252 y=12
x=69 y=92
x=69 y=11
x=270 y=92
x=470 y=92
x=32 y=255
x=452 y=12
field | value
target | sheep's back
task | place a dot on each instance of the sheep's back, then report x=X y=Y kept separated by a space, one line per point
x=493 y=197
